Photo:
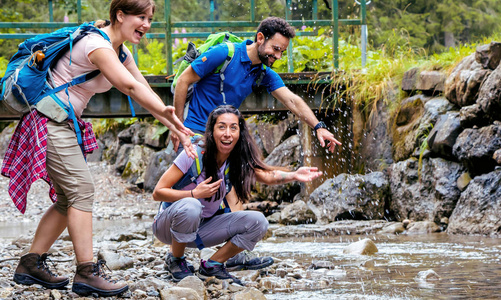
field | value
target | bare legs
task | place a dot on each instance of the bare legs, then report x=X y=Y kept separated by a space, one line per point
x=53 y=223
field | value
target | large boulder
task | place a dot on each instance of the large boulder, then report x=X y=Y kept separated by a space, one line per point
x=272 y=132
x=158 y=163
x=136 y=164
x=489 y=96
x=475 y=148
x=427 y=195
x=351 y=197
x=479 y=207
x=413 y=122
x=376 y=141
x=463 y=84
x=155 y=136
x=287 y=154
x=489 y=55
x=444 y=134
x=297 y=213
x=134 y=134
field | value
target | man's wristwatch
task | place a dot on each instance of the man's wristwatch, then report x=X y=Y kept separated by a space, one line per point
x=320 y=125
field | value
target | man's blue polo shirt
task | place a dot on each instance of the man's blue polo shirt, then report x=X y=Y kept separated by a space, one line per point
x=240 y=78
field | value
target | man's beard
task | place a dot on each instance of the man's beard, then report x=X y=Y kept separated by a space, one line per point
x=265 y=59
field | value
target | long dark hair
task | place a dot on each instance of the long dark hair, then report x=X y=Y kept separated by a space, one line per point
x=244 y=159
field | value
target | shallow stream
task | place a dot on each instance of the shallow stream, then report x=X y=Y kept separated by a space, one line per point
x=469 y=267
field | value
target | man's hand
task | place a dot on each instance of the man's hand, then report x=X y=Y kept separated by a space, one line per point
x=325 y=135
x=175 y=140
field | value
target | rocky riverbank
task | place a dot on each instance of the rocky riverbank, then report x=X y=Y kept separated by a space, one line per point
x=124 y=239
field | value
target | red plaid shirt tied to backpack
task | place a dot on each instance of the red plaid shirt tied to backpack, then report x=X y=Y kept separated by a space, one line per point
x=24 y=161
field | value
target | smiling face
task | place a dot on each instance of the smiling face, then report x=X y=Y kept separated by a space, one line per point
x=226 y=134
x=134 y=27
x=271 y=49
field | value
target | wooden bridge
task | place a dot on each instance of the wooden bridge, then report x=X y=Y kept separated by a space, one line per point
x=113 y=104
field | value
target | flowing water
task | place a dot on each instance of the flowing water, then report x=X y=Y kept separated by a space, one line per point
x=469 y=267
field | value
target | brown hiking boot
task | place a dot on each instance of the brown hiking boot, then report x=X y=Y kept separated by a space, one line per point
x=33 y=269
x=91 y=279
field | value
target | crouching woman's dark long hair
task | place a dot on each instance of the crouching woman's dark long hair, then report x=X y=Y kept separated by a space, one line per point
x=243 y=159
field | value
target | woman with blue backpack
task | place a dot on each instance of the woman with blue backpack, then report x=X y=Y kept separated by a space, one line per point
x=190 y=213
x=50 y=150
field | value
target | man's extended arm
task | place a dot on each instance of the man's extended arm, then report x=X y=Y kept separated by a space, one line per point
x=187 y=78
x=297 y=106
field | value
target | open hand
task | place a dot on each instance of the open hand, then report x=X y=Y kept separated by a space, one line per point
x=325 y=135
x=306 y=174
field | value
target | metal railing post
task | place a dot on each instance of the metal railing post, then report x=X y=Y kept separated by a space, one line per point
x=363 y=19
x=335 y=33
x=51 y=11
x=168 y=37
x=290 y=62
x=79 y=11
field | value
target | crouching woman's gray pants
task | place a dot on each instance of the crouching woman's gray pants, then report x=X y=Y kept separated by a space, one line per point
x=182 y=222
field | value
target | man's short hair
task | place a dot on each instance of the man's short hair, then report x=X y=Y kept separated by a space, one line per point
x=272 y=25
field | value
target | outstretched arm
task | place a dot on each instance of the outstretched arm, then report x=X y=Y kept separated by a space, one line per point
x=297 y=106
x=130 y=82
x=303 y=174
x=187 y=78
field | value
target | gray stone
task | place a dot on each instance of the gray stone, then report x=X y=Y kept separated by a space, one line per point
x=410 y=79
x=426 y=194
x=193 y=282
x=136 y=164
x=444 y=134
x=489 y=96
x=297 y=213
x=351 y=197
x=463 y=84
x=287 y=154
x=5 y=136
x=362 y=247
x=176 y=293
x=489 y=55
x=155 y=136
x=272 y=134
x=472 y=115
x=249 y=293
x=376 y=143
x=413 y=122
x=431 y=82
x=116 y=261
x=123 y=157
x=479 y=207
x=422 y=227
x=158 y=163
x=475 y=148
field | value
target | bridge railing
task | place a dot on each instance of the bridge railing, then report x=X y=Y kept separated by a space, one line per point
x=169 y=36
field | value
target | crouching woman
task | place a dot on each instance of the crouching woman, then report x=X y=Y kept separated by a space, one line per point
x=190 y=215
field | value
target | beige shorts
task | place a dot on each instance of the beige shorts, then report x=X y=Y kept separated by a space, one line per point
x=68 y=169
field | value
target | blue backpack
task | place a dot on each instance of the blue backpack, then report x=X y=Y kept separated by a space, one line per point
x=28 y=84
